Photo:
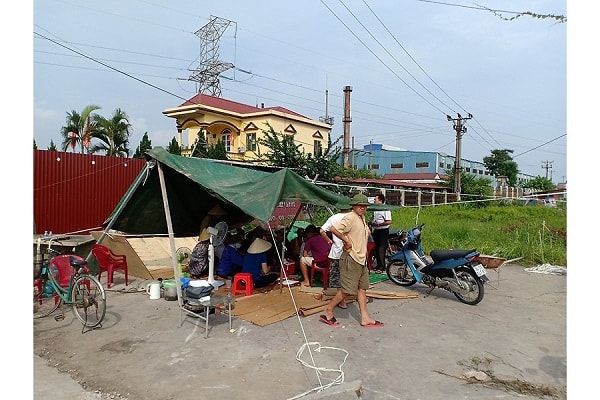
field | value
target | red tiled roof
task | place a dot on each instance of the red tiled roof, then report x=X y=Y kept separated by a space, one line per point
x=233 y=106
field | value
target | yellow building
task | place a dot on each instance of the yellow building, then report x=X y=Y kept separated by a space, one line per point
x=240 y=126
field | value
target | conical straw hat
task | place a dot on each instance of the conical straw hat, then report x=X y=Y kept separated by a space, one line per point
x=259 y=246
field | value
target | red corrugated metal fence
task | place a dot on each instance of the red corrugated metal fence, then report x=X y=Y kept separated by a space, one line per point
x=75 y=193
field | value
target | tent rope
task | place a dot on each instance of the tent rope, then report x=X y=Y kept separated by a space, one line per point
x=307 y=345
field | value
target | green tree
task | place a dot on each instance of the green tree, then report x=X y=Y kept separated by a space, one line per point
x=217 y=151
x=325 y=165
x=79 y=129
x=173 y=147
x=200 y=146
x=145 y=144
x=52 y=146
x=540 y=183
x=472 y=187
x=113 y=134
x=282 y=151
x=500 y=163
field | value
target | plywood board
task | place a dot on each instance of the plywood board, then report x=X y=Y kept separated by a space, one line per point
x=147 y=257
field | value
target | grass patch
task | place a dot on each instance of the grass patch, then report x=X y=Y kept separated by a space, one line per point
x=536 y=233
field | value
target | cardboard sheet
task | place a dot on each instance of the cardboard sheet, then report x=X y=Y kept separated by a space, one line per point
x=273 y=306
x=266 y=308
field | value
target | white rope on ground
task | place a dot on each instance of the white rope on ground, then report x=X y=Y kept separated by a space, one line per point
x=318 y=370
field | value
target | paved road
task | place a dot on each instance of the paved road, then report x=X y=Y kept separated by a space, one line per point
x=517 y=335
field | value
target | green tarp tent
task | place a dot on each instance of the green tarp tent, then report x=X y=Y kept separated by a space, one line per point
x=192 y=186
x=173 y=194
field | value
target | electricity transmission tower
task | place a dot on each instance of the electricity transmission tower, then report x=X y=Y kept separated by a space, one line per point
x=207 y=74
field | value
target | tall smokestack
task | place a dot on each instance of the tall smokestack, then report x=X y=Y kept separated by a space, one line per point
x=346 y=120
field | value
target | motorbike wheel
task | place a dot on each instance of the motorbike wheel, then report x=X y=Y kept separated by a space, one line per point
x=400 y=273
x=473 y=293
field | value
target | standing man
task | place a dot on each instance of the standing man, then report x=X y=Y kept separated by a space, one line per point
x=337 y=248
x=380 y=227
x=354 y=274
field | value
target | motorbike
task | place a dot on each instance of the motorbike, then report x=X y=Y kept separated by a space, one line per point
x=455 y=270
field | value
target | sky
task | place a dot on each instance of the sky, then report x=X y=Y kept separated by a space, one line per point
x=410 y=64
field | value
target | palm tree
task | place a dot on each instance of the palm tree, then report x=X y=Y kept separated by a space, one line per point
x=79 y=129
x=112 y=133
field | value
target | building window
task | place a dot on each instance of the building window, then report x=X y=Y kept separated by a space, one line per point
x=226 y=139
x=448 y=166
x=374 y=166
x=441 y=164
x=424 y=164
x=397 y=165
x=468 y=169
x=251 y=142
x=318 y=148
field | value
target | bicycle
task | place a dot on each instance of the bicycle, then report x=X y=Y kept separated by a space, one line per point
x=83 y=293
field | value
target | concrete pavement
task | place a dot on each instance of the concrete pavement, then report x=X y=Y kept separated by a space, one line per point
x=426 y=350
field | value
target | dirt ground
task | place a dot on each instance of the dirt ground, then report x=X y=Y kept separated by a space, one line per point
x=511 y=346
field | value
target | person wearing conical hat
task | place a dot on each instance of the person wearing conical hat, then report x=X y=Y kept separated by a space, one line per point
x=255 y=262
x=354 y=232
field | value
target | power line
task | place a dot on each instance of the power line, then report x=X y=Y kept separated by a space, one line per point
x=380 y=60
x=112 y=68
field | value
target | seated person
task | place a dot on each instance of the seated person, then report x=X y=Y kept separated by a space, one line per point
x=231 y=261
x=315 y=248
x=198 y=265
x=255 y=262
x=258 y=231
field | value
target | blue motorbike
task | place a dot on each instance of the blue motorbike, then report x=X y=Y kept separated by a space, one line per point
x=455 y=270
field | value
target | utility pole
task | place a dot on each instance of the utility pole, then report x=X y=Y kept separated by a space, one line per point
x=347 y=119
x=460 y=128
x=547 y=165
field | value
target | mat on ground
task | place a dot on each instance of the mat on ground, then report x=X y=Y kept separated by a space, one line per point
x=276 y=305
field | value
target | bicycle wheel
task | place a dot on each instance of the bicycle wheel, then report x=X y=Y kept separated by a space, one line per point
x=45 y=299
x=88 y=300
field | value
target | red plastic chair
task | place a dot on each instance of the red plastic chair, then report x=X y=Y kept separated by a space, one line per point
x=110 y=262
x=62 y=265
x=321 y=266
x=371 y=256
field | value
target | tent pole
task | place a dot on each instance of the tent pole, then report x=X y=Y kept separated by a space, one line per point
x=138 y=180
x=163 y=189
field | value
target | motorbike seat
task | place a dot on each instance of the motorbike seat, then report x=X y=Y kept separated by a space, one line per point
x=440 y=255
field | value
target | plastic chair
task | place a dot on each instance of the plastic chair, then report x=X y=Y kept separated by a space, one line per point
x=371 y=256
x=62 y=265
x=321 y=266
x=109 y=262
x=242 y=283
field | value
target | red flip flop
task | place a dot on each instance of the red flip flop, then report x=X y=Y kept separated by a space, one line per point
x=331 y=322
x=376 y=324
